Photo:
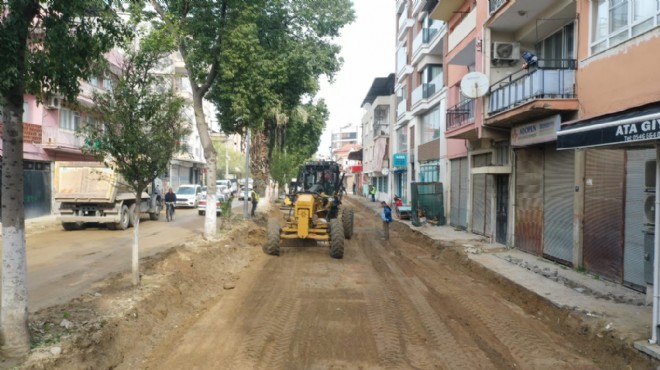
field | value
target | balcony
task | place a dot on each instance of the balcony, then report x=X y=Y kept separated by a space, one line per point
x=59 y=139
x=553 y=79
x=423 y=95
x=401 y=108
x=446 y=9
x=460 y=115
x=427 y=42
x=418 y=6
x=400 y=6
x=405 y=24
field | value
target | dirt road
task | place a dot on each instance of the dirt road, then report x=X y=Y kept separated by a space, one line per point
x=64 y=264
x=402 y=304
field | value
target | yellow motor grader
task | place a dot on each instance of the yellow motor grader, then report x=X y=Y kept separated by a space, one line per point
x=316 y=212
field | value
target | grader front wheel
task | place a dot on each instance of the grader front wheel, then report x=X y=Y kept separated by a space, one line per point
x=272 y=245
x=336 y=239
x=347 y=221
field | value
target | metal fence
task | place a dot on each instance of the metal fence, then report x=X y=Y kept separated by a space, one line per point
x=427 y=203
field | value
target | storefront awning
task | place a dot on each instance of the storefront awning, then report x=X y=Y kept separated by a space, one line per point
x=637 y=126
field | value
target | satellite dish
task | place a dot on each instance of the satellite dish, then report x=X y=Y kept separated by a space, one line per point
x=385 y=171
x=474 y=85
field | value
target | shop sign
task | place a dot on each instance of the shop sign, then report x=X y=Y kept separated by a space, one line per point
x=536 y=132
x=400 y=159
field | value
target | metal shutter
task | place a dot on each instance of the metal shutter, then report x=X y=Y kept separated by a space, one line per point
x=479 y=204
x=603 y=213
x=463 y=201
x=558 y=185
x=455 y=190
x=529 y=200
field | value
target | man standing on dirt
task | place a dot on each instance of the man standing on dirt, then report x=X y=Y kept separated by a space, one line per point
x=387 y=218
x=372 y=192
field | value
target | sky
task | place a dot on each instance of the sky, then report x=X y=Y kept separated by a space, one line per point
x=368 y=48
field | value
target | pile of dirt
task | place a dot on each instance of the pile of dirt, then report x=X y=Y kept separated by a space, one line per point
x=117 y=323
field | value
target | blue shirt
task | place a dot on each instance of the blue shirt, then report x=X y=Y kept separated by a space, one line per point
x=387 y=214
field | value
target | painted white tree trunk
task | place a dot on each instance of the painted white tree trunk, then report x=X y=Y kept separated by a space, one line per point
x=14 y=334
x=135 y=259
x=210 y=154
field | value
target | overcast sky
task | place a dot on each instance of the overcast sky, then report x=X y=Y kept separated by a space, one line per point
x=368 y=49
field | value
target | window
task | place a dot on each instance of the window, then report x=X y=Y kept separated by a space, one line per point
x=107 y=83
x=381 y=120
x=429 y=171
x=431 y=122
x=615 y=21
x=26 y=112
x=560 y=45
x=69 y=120
x=402 y=140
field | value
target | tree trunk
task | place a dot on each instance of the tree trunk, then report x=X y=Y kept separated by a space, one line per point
x=135 y=255
x=259 y=161
x=14 y=335
x=211 y=156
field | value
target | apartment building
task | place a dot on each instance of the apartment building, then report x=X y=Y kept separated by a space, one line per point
x=557 y=157
x=419 y=146
x=380 y=106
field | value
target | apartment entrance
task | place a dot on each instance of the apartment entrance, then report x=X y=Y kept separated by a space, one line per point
x=501 y=208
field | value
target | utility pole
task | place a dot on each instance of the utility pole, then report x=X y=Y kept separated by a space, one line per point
x=226 y=157
x=247 y=176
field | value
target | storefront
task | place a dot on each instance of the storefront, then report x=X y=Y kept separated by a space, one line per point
x=620 y=219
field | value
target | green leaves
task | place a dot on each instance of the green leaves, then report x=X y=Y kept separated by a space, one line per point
x=139 y=123
x=46 y=49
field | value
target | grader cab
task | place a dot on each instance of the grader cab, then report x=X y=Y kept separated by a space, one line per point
x=316 y=213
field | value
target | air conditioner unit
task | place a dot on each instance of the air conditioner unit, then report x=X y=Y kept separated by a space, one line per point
x=505 y=51
x=53 y=102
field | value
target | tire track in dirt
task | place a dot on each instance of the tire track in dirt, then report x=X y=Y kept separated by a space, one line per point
x=530 y=345
x=265 y=343
x=450 y=353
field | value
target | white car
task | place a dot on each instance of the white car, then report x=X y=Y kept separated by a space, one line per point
x=188 y=195
x=201 y=208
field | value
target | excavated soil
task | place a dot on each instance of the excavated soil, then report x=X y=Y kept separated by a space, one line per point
x=406 y=303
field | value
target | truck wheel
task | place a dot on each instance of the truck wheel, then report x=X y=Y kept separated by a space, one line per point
x=347 y=221
x=71 y=226
x=336 y=239
x=124 y=219
x=272 y=245
x=131 y=215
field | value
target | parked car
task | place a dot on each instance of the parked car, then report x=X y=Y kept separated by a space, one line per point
x=201 y=207
x=188 y=195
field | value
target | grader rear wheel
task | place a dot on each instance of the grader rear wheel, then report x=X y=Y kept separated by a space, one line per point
x=336 y=239
x=272 y=245
x=347 y=221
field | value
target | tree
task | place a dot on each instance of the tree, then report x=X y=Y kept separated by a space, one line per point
x=141 y=130
x=300 y=141
x=235 y=163
x=46 y=47
x=251 y=57
x=272 y=60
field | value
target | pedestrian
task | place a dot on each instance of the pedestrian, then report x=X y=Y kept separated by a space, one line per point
x=386 y=215
x=372 y=192
x=255 y=200
x=354 y=188
x=530 y=59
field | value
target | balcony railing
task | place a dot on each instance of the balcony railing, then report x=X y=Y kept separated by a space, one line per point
x=59 y=137
x=493 y=5
x=427 y=90
x=460 y=115
x=401 y=60
x=426 y=36
x=551 y=79
x=401 y=108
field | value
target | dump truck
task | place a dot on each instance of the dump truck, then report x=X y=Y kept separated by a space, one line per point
x=91 y=192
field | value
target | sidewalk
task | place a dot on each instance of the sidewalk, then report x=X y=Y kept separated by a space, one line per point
x=620 y=311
